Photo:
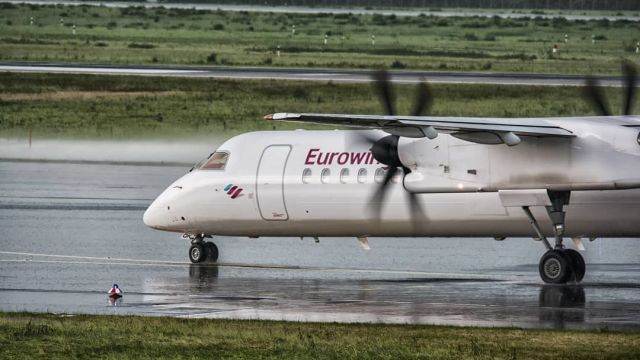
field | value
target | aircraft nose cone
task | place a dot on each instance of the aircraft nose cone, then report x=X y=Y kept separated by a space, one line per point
x=151 y=217
x=157 y=216
x=169 y=211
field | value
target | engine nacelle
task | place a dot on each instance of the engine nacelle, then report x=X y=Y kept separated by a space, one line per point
x=598 y=158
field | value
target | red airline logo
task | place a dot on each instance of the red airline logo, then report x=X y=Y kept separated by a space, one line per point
x=233 y=190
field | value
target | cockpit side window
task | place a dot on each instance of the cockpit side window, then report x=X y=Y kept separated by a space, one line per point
x=200 y=163
x=217 y=161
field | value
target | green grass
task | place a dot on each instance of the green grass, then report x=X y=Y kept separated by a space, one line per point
x=24 y=335
x=57 y=105
x=174 y=36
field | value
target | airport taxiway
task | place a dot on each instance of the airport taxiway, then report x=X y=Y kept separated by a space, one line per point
x=69 y=230
x=302 y=74
x=452 y=12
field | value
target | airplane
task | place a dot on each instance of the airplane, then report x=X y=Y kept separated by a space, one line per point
x=420 y=176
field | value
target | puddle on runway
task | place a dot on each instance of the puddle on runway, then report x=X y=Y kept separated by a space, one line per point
x=236 y=292
x=470 y=303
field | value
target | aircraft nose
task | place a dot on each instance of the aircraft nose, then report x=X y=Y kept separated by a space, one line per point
x=169 y=211
x=152 y=217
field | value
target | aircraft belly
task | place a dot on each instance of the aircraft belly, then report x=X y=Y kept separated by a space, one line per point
x=345 y=213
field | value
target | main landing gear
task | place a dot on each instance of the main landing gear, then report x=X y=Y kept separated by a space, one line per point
x=558 y=265
x=201 y=251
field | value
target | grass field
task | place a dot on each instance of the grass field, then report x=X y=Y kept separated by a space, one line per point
x=184 y=36
x=135 y=107
x=31 y=336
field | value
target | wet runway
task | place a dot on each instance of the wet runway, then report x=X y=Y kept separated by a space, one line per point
x=70 y=230
x=335 y=75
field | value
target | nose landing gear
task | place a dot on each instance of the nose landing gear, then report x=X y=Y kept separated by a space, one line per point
x=201 y=251
x=558 y=265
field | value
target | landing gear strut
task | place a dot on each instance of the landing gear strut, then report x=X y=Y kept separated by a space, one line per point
x=558 y=265
x=201 y=251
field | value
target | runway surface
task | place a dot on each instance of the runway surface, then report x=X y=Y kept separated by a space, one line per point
x=70 y=230
x=334 y=75
x=503 y=13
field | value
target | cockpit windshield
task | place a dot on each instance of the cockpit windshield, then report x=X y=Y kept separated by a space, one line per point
x=200 y=163
x=216 y=161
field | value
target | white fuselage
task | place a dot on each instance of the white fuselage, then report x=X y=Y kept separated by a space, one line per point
x=320 y=183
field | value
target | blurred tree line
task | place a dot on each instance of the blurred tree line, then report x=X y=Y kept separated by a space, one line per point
x=490 y=4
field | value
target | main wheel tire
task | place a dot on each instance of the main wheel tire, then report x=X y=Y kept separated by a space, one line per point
x=555 y=267
x=577 y=263
x=212 y=251
x=197 y=253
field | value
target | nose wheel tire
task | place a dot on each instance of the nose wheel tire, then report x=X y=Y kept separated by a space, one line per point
x=212 y=251
x=203 y=251
x=197 y=253
x=555 y=267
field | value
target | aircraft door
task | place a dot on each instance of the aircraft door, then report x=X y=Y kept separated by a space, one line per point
x=270 y=183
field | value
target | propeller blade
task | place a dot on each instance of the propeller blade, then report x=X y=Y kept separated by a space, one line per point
x=423 y=100
x=382 y=85
x=379 y=195
x=630 y=75
x=361 y=138
x=593 y=94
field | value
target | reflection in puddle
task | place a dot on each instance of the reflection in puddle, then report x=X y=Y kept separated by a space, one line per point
x=227 y=292
x=202 y=276
x=116 y=301
x=560 y=305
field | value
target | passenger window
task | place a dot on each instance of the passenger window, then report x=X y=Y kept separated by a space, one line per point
x=306 y=176
x=362 y=176
x=379 y=175
x=217 y=161
x=324 y=175
x=344 y=176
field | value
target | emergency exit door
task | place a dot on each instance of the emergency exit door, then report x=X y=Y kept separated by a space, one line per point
x=270 y=182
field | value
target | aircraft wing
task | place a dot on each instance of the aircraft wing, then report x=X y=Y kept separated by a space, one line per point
x=480 y=130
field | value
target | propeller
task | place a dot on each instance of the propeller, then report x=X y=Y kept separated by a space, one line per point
x=630 y=76
x=593 y=92
x=382 y=85
x=385 y=150
x=423 y=101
